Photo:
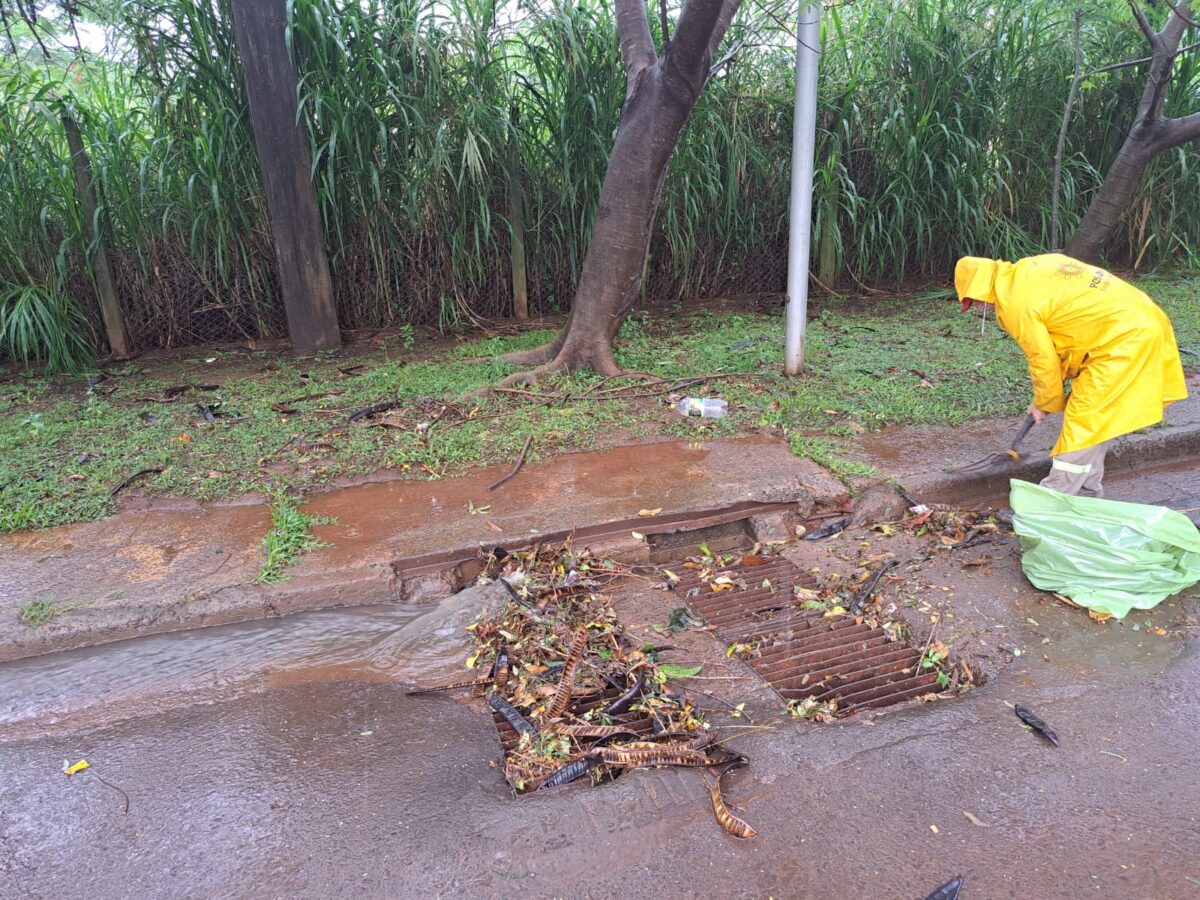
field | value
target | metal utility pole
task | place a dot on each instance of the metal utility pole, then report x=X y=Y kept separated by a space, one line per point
x=804 y=141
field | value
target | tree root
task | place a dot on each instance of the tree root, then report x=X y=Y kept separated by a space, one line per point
x=530 y=377
x=539 y=356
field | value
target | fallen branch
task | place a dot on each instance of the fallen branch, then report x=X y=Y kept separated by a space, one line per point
x=157 y=470
x=118 y=790
x=374 y=410
x=284 y=406
x=516 y=468
x=864 y=595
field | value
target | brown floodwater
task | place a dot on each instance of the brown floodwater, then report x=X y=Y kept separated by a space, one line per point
x=400 y=644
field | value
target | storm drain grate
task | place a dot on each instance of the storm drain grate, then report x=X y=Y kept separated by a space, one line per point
x=805 y=653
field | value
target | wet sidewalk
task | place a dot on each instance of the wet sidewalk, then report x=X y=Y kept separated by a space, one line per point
x=176 y=565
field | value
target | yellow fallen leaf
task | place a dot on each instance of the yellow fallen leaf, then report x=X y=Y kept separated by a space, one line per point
x=77 y=767
x=650 y=512
x=1099 y=617
x=670 y=575
x=722 y=586
x=934 y=829
x=836 y=611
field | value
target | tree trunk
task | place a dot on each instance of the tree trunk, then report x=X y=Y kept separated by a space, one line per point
x=1103 y=215
x=285 y=161
x=660 y=97
x=106 y=289
x=611 y=279
x=516 y=240
x=1150 y=134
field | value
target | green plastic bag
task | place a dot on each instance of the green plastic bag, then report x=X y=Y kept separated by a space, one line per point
x=1104 y=554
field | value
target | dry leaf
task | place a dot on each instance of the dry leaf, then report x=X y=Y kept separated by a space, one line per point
x=492 y=525
x=748 y=561
x=1099 y=617
x=974 y=820
x=638 y=536
x=1068 y=601
x=650 y=512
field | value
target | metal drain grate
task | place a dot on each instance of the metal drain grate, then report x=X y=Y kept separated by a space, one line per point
x=804 y=653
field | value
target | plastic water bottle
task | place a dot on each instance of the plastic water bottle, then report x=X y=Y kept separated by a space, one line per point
x=705 y=407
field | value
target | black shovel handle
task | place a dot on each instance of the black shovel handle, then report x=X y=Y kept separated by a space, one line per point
x=1022 y=431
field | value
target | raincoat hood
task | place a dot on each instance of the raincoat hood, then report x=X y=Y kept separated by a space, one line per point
x=975 y=279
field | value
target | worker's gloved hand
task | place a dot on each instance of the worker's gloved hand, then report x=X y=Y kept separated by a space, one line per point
x=1038 y=414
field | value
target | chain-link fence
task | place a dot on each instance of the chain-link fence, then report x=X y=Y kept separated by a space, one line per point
x=170 y=301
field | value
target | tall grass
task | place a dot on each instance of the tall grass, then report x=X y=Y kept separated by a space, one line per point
x=937 y=127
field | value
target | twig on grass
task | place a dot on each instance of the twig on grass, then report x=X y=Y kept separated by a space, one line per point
x=516 y=468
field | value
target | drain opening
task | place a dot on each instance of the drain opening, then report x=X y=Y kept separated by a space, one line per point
x=805 y=654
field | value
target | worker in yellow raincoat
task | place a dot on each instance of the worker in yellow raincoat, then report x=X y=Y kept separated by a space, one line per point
x=1081 y=324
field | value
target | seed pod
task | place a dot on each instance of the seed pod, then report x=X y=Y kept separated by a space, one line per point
x=571 y=771
x=623 y=702
x=563 y=695
x=949 y=890
x=519 y=723
x=589 y=731
x=731 y=823
x=499 y=674
x=451 y=686
x=658 y=756
x=1032 y=720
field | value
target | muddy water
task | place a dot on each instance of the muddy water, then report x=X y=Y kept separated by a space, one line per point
x=403 y=644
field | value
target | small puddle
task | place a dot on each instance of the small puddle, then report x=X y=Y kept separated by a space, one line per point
x=401 y=643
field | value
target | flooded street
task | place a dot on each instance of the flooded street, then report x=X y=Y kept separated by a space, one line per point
x=283 y=758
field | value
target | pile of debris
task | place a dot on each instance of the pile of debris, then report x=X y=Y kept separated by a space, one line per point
x=573 y=697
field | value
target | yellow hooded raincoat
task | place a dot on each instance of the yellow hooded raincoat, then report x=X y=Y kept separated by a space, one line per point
x=1080 y=323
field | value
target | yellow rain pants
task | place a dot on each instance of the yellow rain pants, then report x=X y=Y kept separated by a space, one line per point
x=1081 y=324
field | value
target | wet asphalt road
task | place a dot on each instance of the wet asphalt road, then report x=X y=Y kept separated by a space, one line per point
x=330 y=786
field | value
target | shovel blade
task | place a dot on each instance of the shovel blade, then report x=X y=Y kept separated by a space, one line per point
x=997 y=462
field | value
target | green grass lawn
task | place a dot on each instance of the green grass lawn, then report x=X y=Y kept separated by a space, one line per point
x=913 y=360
